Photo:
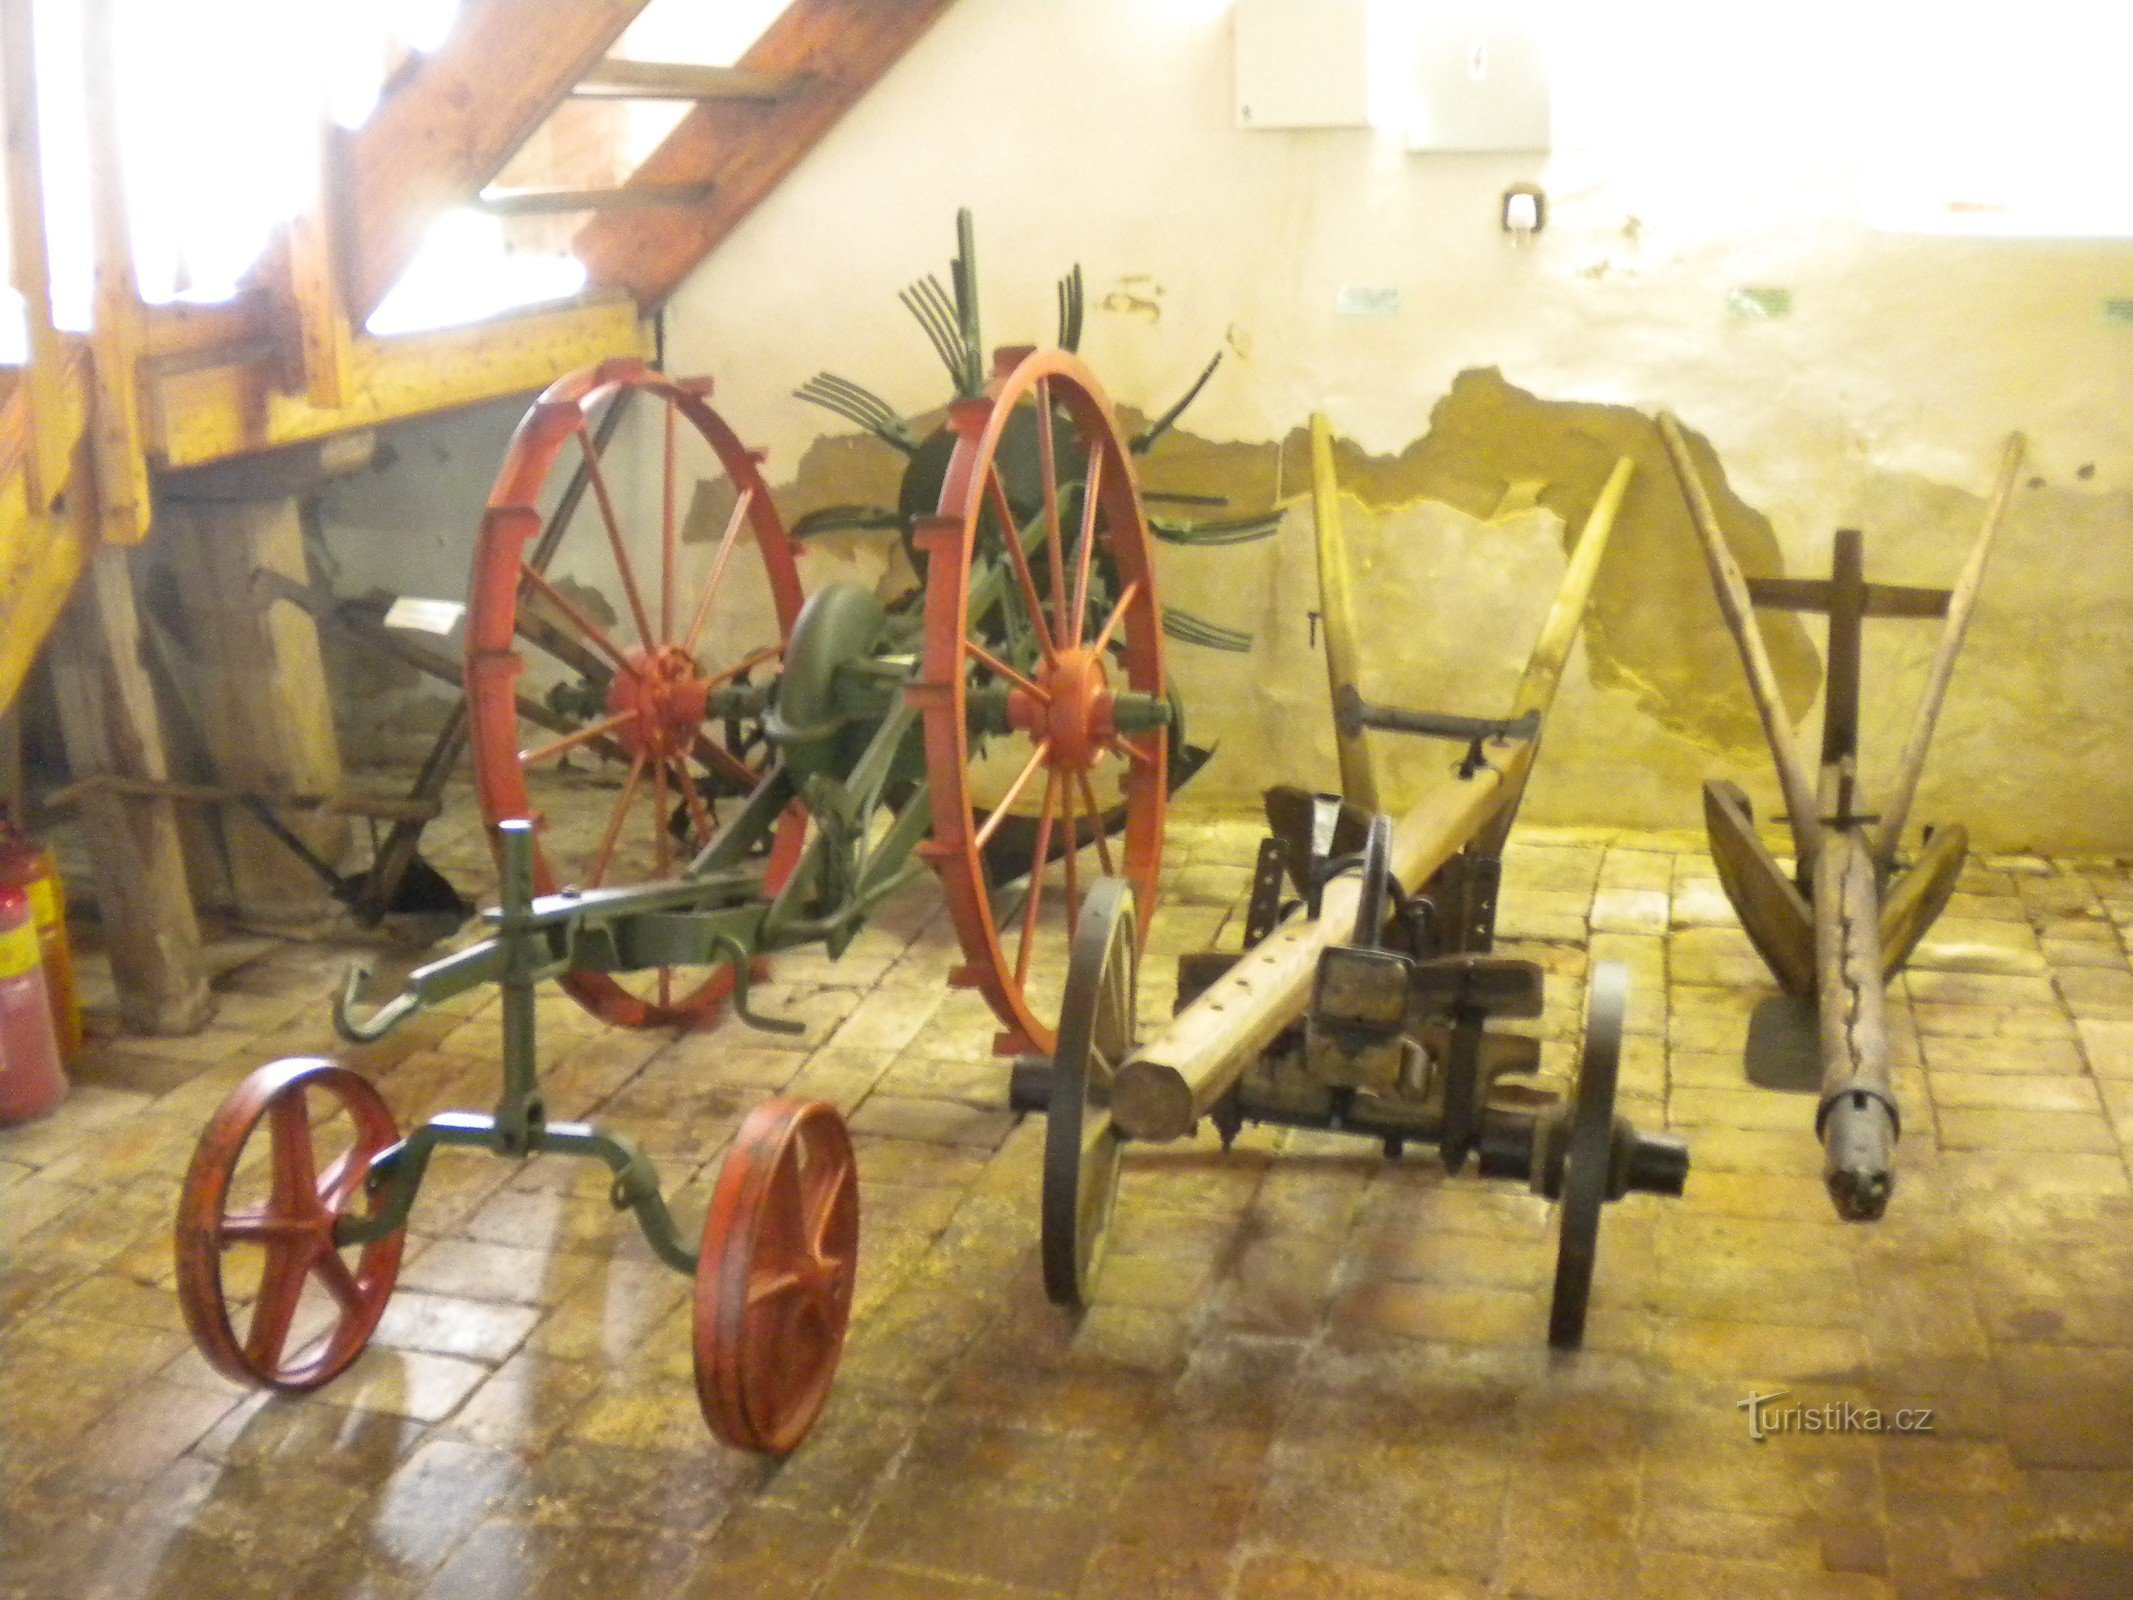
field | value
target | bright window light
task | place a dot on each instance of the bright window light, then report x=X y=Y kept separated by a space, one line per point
x=466 y=271
x=702 y=35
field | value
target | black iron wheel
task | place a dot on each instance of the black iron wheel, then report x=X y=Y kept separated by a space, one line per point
x=1587 y=1154
x=1081 y=1144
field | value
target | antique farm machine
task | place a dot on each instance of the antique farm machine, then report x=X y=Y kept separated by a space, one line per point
x=786 y=763
x=1361 y=1001
x=1847 y=918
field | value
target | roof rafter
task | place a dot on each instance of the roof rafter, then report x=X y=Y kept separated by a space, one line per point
x=833 y=51
x=450 y=127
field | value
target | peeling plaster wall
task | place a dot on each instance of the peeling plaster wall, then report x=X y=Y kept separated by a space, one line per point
x=1102 y=131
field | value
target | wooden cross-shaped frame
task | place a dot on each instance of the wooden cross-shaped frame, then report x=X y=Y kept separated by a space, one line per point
x=1846 y=920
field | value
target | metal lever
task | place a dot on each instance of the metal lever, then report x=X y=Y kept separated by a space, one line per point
x=1352 y=714
x=381 y=1022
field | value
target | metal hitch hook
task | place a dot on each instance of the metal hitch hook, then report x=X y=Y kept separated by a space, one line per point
x=381 y=1021
x=741 y=978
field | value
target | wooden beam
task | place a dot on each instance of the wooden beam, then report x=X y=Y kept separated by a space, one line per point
x=555 y=202
x=616 y=79
x=1882 y=599
x=1336 y=608
x=108 y=717
x=841 y=47
x=123 y=503
x=315 y=256
x=1913 y=761
x=1739 y=611
x=199 y=414
x=258 y=684
x=449 y=129
x=51 y=439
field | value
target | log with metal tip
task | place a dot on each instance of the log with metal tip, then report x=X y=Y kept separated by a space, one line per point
x=1174 y=1079
x=1857 y=1119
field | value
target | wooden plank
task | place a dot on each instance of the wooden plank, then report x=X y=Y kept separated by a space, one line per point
x=458 y=117
x=123 y=502
x=617 y=79
x=1916 y=900
x=108 y=719
x=841 y=47
x=1770 y=906
x=1336 y=608
x=556 y=202
x=51 y=439
x=1913 y=761
x=1739 y=613
x=202 y=414
x=42 y=549
x=1882 y=599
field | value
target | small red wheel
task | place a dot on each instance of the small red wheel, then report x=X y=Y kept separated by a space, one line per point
x=774 y=1281
x=632 y=696
x=1047 y=627
x=286 y=1206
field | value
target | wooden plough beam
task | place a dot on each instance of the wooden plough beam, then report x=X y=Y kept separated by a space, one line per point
x=1174 y=1079
x=1847 y=920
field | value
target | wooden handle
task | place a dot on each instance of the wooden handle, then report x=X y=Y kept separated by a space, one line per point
x=1961 y=602
x=1336 y=610
x=1739 y=612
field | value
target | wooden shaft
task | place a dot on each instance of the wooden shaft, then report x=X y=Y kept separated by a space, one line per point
x=1559 y=630
x=1170 y=1083
x=1336 y=610
x=51 y=439
x=1962 y=601
x=1857 y=1120
x=1739 y=612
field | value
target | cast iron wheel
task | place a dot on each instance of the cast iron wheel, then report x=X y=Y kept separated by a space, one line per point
x=642 y=693
x=1061 y=615
x=1581 y=1183
x=1081 y=1144
x=1373 y=904
x=292 y=1225
x=774 y=1279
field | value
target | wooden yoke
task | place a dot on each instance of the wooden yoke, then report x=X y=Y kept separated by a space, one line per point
x=1171 y=1082
x=1840 y=929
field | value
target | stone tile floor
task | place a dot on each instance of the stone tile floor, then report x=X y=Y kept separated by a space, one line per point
x=1308 y=1371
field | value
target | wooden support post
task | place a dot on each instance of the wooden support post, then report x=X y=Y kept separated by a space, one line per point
x=107 y=715
x=319 y=306
x=263 y=707
x=1336 y=612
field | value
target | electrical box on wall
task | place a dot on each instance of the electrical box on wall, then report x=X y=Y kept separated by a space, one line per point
x=1302 y=63
x=1479 y=82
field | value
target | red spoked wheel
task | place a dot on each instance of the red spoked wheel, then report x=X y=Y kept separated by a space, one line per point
x=774 y=1280
x=302 y=1286
x=548 y=678
x=1037 y=647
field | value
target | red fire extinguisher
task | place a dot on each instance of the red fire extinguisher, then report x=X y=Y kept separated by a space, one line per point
x=34 y=870
x=31 y=1080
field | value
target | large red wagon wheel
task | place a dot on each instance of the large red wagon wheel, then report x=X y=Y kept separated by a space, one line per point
x=307 y=1292
x=1039 y=497
x=641 y=683
x=774 y=1281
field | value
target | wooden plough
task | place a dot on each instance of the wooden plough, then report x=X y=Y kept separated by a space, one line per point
x=1847 y=919
x=1362 y=1008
